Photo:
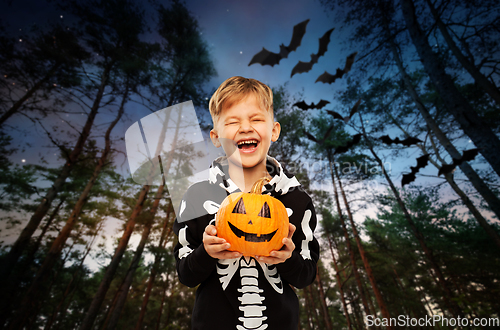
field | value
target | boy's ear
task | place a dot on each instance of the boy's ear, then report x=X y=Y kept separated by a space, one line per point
x=276 y=131
x=215 y=138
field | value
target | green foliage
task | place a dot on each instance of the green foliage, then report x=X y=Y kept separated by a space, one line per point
x=469 y=257
x=185 y=63
x=16 y=182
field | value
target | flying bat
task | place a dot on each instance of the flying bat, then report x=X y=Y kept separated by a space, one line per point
x=422 y=162
x=336 y=115
x=265 y=57
x=312 y=138
x=406 y=142
x=467 y=155
x=303 y=105
x=355 y=140
x=329 y=78
x=323 y=46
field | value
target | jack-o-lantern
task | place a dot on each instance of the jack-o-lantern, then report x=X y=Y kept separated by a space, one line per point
x=254 y=224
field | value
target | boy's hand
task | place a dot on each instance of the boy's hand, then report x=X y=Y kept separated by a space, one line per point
x=217 y=247
x=277 y=257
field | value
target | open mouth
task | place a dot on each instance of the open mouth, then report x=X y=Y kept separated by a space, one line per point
x=252 y=237
x=248 y=145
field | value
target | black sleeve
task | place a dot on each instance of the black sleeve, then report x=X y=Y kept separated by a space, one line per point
x=193 y=263
x=300 y=269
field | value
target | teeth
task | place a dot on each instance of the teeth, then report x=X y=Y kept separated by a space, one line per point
x=247 y=142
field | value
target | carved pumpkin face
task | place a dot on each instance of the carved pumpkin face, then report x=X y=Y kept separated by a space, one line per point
x=252 y=223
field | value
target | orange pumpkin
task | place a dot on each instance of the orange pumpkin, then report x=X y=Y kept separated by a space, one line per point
x=254 y=224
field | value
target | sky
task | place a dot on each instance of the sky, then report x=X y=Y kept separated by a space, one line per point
x=235 y=31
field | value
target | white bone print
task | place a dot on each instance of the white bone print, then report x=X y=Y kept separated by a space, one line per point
x=226 y=268
x=251 y=300
x=272 y=276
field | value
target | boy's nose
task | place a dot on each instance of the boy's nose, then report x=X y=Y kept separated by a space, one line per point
x=246 y=126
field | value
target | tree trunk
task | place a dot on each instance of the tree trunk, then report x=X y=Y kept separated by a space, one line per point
x=91 y=314
x=399 y=284
x=358 y=315
x=108 y=277
x=490 y=198
x=152 y=276
x=366 y=263
x=117 y=311
x=324 y=307
x=31 y=297
x=30 y=255
x=45 y=228
x=125 y=287
x=160 y=310
x=448 y=294
x=308 y=311
x=33 y=312
x=312 y=305
x=66 y=307
x=348 y=241
x=340 y=284
x=479 y=78
x=53 y=317
x=424 y=306
x=478 y=131
x=23 y=240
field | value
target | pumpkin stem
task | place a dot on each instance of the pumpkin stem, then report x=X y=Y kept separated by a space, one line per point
x=257 y=186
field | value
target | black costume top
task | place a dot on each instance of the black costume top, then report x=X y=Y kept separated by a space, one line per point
x=244 y=293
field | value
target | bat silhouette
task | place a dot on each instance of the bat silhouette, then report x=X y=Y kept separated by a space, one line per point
x=265 y=57
x=336 y=115
x=406 y=142
x=422 y=162
x=467 y=155
x=330 y=78
x=303 y=105
x=323 y=46
x=312 y=138
x=355 y=140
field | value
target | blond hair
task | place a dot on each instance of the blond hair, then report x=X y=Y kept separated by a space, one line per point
x=234 y=90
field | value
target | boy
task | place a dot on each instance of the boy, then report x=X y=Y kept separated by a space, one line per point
x=238 y=292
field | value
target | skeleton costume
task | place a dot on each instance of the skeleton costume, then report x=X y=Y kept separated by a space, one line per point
x=244 y=293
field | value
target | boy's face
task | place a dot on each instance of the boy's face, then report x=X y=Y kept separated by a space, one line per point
x=245 y=131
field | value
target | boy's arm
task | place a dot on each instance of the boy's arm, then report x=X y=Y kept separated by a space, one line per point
x=193 y=263
x=300 y=269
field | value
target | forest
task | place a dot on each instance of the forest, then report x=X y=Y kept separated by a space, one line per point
x=402 y=163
